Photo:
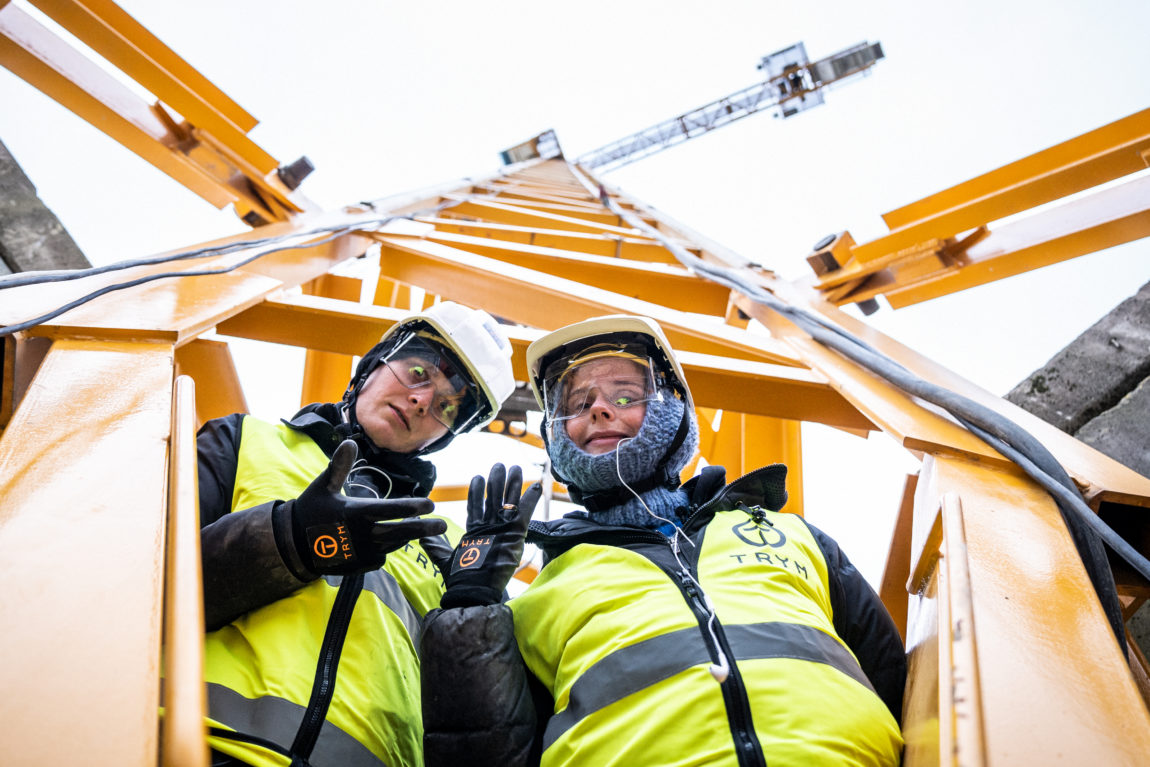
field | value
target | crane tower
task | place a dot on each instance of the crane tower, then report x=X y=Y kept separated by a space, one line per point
x=1012 y=651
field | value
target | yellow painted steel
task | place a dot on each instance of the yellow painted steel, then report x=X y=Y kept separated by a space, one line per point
x=895 y=574
x=942 y=243
x=538 y=299
x=37 y=56
x=82 y=508
x=1012 y=661
x=743 y=443
x=1102 y=220
x=515 y=214
x=106 y=28
x=325 y=374
x=1035 y=611
x=183 y=741
x=220 y=392
x=669 y=286
x=615 y=246
x=204 y=147
x=1101 y=155
x=921 y=430
x=960 y=709
x=154 y=63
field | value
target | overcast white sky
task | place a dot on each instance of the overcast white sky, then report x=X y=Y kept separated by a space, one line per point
x=387 y=97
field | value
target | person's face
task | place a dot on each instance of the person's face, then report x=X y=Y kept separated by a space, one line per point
x=603 y=423
x=396 y=417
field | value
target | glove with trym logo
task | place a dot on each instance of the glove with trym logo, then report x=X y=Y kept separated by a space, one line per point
x=478 y=569
x=336 y=534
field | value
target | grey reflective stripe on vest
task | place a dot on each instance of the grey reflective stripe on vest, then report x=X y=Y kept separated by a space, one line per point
x=383 y=585
x=631 y=669
x=277 y=720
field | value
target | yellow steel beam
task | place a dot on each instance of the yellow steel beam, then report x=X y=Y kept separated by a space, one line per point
x=500 y=212
x=743 y=443
x=1033 y=610
x=34 y=54
x=209 y=152
x=921 y=429
x=180 y=308
x=757 y=388
x=739 y=385
x=595 y=214
x=183 y=739
x=1101 y=155
x=313 y=322
x=116 y=36
x=634 y=247
x=540 y=300
x=325 y=375
x=896 y=571
x=156 y=63
x=576 y=198
x=82 y=506
x=1102 y=220
x=670 y=286
x=218 y=390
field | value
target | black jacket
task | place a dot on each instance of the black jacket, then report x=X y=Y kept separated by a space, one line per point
x=497 y=717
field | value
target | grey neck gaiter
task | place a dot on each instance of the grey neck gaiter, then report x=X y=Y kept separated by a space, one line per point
x=633 y=460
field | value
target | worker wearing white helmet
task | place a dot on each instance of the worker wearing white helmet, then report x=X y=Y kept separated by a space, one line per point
x=308 y=569
x=693 y=624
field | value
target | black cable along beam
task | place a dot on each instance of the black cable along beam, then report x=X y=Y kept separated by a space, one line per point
x=334 y=232
x=998 y=431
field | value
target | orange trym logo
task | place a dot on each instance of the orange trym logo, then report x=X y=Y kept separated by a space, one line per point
x=468 y=557
x=325 y=546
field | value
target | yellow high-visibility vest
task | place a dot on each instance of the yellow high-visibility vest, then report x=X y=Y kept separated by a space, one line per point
x=261 y=667
x=627 y=658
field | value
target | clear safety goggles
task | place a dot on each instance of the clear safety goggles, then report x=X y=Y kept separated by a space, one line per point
x=621 y=375
x=456 y=399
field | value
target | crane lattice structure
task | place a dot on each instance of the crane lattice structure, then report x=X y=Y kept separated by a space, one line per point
x=1012 y=658
x=794 y=84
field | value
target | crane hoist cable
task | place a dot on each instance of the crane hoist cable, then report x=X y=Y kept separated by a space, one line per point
x=1086 y=528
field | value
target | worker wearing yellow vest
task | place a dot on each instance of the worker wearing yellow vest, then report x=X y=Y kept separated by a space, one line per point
x=299 y=518
x=668 y=625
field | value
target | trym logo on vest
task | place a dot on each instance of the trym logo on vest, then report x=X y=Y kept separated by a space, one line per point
x=328 y=542
x=759 y=534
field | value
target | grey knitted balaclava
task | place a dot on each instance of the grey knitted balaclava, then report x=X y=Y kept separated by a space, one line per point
x=636 y=459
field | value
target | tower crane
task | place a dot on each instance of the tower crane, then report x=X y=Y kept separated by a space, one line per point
x=793 y=84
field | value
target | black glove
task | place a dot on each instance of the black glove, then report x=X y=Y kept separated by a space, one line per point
x=478 y=570
x=335 y=534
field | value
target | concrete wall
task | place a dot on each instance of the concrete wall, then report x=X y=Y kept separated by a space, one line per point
x=1098 y=389
x=31 y=237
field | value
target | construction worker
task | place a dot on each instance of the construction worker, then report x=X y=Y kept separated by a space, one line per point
x=668 y=625
x=298 y=519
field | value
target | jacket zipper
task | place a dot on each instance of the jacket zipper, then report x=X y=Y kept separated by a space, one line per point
x=323 y=688
x=747 y=749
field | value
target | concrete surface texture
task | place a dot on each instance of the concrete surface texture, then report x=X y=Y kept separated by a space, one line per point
x=1098 y=389
x=31 y=237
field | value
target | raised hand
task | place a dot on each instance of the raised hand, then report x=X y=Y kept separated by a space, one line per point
x=337 y=534
x=485 y=559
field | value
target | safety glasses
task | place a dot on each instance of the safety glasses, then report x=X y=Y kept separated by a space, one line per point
x=620 y=375
x=455 y=401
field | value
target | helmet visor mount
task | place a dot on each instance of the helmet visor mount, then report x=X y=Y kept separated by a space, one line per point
x=620 y=374
x=418 y=363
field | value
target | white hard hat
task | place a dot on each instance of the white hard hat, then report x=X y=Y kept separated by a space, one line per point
x=477 y=340
x=567 y=342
